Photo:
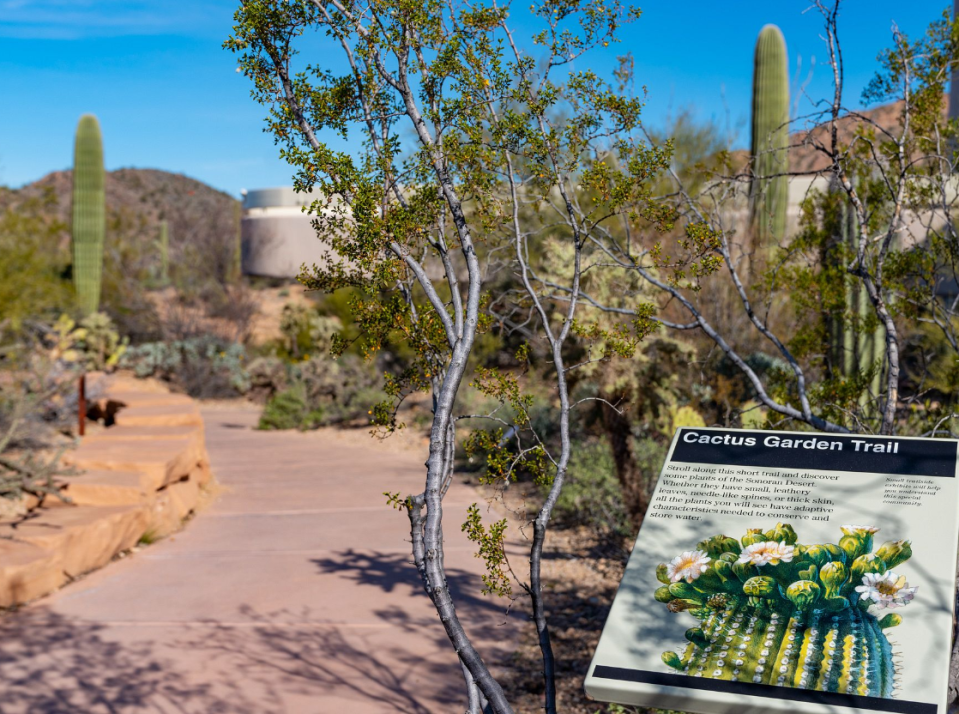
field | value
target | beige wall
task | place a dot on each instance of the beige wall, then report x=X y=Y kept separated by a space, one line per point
x=277 y=236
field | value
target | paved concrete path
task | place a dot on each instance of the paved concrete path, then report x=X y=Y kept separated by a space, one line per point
x=293 y=592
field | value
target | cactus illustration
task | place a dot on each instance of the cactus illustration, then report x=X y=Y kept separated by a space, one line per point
x=89 y=210
x=774 y=611
x=770 y=137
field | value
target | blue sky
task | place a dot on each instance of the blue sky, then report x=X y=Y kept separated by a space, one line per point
x=168 y=97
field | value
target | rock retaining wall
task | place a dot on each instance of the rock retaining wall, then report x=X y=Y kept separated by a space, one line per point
x=140 y=477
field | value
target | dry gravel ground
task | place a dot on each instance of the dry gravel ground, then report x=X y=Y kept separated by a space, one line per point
x=581 y=573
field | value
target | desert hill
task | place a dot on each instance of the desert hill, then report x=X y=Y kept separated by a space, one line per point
x=202 y=248
x=141 y=198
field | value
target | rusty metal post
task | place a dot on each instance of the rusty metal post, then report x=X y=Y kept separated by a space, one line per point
x=82 y=406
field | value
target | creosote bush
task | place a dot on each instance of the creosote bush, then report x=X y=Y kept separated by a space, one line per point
x=322 y=391
x=593 y=496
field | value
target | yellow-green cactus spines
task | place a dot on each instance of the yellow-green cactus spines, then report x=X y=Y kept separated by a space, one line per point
x=769 y=193
x=89 y=213
x=779 y=612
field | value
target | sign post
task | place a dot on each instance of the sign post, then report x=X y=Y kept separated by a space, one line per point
x=789 y=571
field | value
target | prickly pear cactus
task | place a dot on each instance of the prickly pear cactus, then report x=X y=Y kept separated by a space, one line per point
x=774 y=611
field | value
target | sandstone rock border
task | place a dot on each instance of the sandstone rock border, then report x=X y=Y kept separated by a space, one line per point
x=140 y=478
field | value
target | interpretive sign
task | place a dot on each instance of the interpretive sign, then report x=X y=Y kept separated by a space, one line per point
x=789 y=571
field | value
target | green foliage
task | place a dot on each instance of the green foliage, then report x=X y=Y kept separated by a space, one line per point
x=32 y=265
x=267 y=376
x=92 y=345
x=304 y=331
x=149 y=537
x=38 y=406
x=89 y=213
x=504 y=464
x=769 y=193
x=491 y=549
x=290 y=409
x=592 y=495
x=322 y=391
x=204 y=367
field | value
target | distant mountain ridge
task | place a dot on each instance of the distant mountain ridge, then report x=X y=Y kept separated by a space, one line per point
x=143 y=196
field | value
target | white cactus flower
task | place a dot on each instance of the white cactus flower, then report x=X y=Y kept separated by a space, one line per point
x=886 y=590
x=852 y=530
x=688 y=566
x=768 y=552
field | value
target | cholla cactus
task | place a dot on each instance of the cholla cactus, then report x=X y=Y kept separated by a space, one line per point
x=774 y=611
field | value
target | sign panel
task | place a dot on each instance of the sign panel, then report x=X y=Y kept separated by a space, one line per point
x=789 y=571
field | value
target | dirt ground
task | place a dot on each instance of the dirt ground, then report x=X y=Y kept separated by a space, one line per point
x=580 y=574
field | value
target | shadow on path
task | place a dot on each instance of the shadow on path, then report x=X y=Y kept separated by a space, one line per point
x=52 y=665
x=251 y=662
x=391 y=571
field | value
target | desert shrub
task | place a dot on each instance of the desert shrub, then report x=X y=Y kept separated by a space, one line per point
x=29 y=450
x=323 y=391
x=267 y=376
x=592 y=495
x=33 y=283
x=205 y=367
x=38 y=413
x=290 y=409
x=93 y=344
x=305 y=331
x=235 y=304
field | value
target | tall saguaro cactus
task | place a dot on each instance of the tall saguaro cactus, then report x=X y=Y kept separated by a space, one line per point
x=853 y=348
x=89 y=209
x=164 y=245
x=770 y=136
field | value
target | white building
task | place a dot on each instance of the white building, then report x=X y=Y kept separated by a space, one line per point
x=277 y=236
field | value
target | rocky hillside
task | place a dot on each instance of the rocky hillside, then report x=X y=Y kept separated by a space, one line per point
x=803 y=155
x=141 y=197
x=203 y=237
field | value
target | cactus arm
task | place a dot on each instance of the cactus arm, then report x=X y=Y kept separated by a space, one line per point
x=164 y=253
x=763 y=665
x=872 y=667
x=688 y=656
x=697 y=662
x=828 y=664
x=719 y=645
x=851 y=653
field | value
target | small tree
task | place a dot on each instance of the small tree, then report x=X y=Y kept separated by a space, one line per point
x=494 y=188
x=873 y=254
x=473 y=151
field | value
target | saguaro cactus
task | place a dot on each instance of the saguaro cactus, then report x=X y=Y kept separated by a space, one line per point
x=773 y=611
x=89 y=209
x=770 y=136
x=852 y=348
x=164 y=245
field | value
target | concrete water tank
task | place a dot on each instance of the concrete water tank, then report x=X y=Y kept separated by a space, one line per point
x=276 y=236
